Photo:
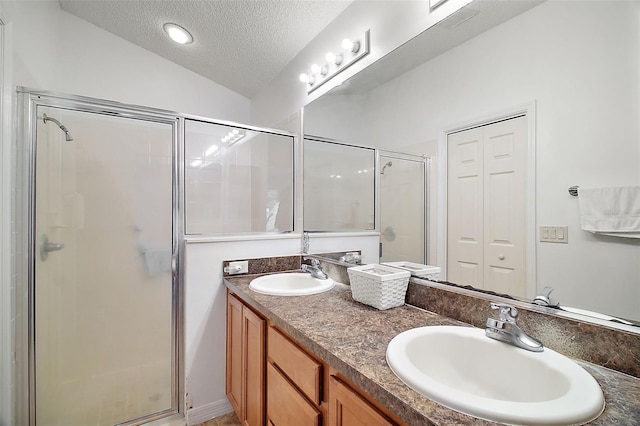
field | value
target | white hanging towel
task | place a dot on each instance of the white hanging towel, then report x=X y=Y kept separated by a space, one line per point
x=611 y=211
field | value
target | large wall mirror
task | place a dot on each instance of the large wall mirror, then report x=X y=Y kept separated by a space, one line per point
x=338 y=186
x=570 y=72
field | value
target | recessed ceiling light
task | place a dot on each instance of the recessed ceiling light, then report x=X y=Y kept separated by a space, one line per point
x=177 y=33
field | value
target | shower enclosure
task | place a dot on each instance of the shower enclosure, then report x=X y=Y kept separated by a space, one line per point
x=101 y=294
x=403 y=207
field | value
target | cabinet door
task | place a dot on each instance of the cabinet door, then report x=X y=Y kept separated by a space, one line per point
x=254 y=361
x=234 y=374
x=347 y=408
x=285 y=404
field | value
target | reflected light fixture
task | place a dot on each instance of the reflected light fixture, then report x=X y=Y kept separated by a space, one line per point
x=177 y=33
x=352 y=51
x=233 y=137
x=350 y=46
x=332 y=58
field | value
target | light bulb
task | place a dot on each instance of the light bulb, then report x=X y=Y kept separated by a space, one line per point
x=330 y=57
x=315 y=68
x=304 y=77
x=177 y=33
x=351 y=46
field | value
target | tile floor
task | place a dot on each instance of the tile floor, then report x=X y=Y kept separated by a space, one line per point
x=227 y=420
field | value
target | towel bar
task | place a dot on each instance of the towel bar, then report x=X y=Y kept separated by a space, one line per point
x=573 y=190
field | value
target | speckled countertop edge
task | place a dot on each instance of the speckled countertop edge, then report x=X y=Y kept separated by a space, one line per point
x=352 y=338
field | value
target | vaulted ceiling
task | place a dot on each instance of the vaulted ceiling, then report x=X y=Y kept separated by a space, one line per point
x=240 y=44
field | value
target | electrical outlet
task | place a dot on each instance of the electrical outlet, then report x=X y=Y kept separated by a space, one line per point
x=554 y=234
x=241 y=267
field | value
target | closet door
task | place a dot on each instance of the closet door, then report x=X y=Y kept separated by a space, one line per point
x=486 y=207
x=504 y=210
x=465 y=217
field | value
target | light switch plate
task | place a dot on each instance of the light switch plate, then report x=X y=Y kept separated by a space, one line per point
x=554 y=234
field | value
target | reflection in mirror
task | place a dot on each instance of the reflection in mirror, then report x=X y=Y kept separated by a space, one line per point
x=402 y=208
x=237 y=180
x=574 y=65
x=338 y=187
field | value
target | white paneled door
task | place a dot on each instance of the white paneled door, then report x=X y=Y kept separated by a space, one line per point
x=486 y=206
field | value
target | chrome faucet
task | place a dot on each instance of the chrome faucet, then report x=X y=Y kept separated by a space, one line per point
x=544 y=299
x=506 y=330
x=315 y=269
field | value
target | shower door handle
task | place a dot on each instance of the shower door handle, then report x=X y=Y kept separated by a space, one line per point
x=46 y=247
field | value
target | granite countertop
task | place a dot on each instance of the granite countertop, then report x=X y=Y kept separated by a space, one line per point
x=352 y=338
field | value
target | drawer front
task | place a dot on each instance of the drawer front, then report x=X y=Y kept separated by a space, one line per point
x=285 y=404
x=302 y=369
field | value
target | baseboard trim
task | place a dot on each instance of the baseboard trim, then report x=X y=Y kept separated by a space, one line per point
x=209 y=411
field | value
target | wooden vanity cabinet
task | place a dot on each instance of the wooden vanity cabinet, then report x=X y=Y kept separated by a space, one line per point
x=273 y=380
x=245 y=373
x=349 y=408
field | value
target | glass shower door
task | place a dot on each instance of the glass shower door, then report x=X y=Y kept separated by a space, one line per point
x=104 y=326
x=402 y=208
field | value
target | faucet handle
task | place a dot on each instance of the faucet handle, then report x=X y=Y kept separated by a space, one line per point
x=544 y=298
x=507 y=312
x=314 y=262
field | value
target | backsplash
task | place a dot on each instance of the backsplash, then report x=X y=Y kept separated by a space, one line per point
x=615 y=349
x=267 y=265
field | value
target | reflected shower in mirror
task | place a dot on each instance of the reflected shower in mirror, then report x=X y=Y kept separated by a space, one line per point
x=338 y=187
x=571 y=68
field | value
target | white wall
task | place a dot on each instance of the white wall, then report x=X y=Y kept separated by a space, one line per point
x=49 y=49
x=572 y=58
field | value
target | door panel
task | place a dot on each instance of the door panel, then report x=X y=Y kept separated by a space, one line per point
x=402 y=209
x=486 y=216
x=504 y=188
x=465 y=214
x=104 y=347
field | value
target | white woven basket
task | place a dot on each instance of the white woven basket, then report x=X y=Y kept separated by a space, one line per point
x=380 y=286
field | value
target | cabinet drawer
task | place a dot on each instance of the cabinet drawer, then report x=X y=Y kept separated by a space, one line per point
x=302 y=369
x=285 y=405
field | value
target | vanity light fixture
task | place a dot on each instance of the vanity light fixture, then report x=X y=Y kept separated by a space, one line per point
x=352 y=51
x=334 y=59
x=177 y=33
x=350 y=45
x=233 y=137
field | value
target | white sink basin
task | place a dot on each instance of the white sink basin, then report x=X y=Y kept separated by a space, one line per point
x=291 y=284
x=461 y=368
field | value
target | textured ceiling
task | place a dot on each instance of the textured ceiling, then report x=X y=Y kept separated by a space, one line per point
x=240 y=44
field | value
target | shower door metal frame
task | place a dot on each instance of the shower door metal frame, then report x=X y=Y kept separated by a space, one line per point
x=25 y=245
x=426 y=162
